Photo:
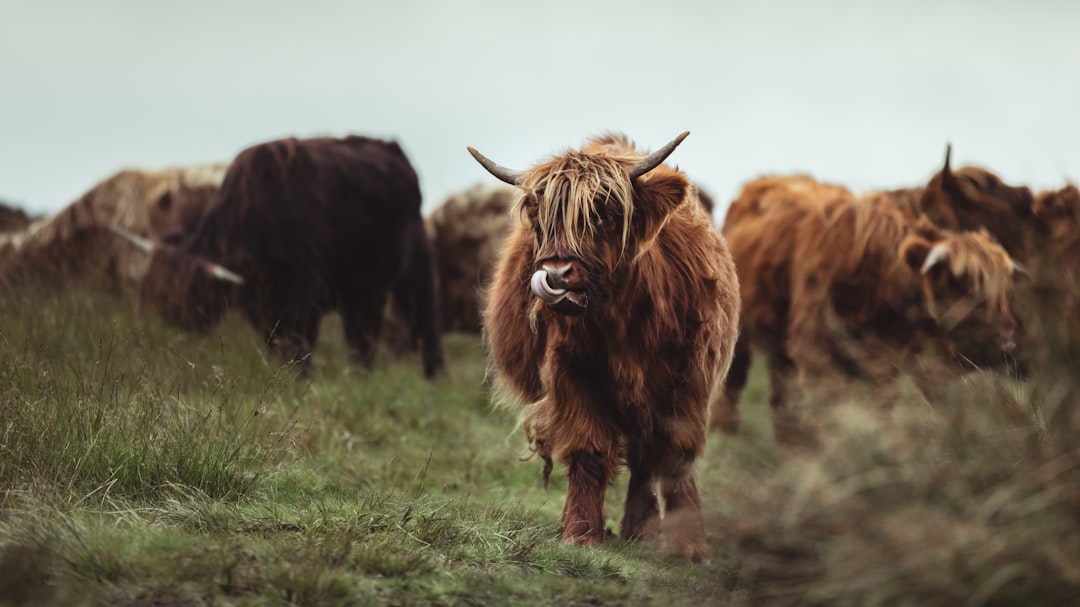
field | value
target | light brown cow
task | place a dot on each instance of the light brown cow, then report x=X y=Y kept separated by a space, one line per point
x=75 y=246
x=613 y=314
x=838 y=288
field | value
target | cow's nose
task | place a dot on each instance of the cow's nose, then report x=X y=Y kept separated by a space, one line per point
x=558 y=276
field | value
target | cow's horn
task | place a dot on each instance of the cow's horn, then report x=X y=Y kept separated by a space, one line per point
x=143 y=244
x=1018 y=267
x=938 y=254
x=223 y=273
x=496 y=169
x=653 y=160
x=946 y=171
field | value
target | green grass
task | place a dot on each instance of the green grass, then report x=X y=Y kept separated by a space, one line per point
x=142 y=466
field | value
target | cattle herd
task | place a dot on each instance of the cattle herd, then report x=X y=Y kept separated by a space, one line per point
x=614 y=312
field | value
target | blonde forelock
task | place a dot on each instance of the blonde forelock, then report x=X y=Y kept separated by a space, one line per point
x=988 y=267
x=571 y=191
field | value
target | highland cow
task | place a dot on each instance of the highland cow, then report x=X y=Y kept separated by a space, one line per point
x=612 y=315
x=75 y=247
x=838 y=288
x=300 y=228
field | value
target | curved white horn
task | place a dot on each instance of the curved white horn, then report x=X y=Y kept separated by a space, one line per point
x=938 y=254
x=502 y=173
x=143 y=244
x=223 y=273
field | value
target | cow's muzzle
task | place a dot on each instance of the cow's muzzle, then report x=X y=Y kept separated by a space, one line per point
x=553 y=285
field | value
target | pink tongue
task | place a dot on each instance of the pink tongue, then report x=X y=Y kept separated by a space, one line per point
x=543 y=290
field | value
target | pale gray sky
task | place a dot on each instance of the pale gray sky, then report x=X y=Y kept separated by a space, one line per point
x=866 y=93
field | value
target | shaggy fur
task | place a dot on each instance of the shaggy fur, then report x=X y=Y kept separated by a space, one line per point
x=75 y=245
x=628 y=378
x=311 y=225
x=833 y=289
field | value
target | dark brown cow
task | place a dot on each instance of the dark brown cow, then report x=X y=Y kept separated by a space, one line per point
x=838 y=288
x=74 y=246
x=612 y=315
x=466 y=231
x=309 y=225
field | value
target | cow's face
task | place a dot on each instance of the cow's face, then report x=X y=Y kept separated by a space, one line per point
x=592 y=213
x=578 y=208
x=968 y=285
x=183 y=290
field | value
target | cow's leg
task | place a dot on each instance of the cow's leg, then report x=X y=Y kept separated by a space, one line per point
x=724 y=414
x=361 y=319
x=682 y=527
x=588 y=474
x=641 y=515
x=787 y=429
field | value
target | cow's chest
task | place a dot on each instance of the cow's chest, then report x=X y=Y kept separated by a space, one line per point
x=595 y=374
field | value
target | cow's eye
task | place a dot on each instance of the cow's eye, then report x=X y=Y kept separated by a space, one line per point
x=611 y=221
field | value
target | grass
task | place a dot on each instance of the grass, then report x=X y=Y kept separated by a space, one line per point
x=142 y=466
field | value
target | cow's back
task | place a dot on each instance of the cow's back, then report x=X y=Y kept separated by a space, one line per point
x=762 y=227
x=323 y=205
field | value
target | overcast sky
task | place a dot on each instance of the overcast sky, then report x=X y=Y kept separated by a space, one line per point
x=864 y=93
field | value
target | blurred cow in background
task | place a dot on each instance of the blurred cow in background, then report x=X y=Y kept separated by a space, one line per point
x=838 y=288
x=612 y=315
x=466 y=233
x=300 y=227
x=74 y=246
x=1043 y=233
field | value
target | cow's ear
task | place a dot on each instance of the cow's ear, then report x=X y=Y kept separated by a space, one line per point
x=913 y=250
x=659 y=194
x=655 y=197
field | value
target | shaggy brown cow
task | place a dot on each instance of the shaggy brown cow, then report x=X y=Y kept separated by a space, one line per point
x=310 y=225
x=837 y=287
x=760 y=226
x=74 y=246
x=466 y=231
x=613 y=314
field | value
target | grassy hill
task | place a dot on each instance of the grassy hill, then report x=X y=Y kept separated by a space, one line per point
x=143 y=466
